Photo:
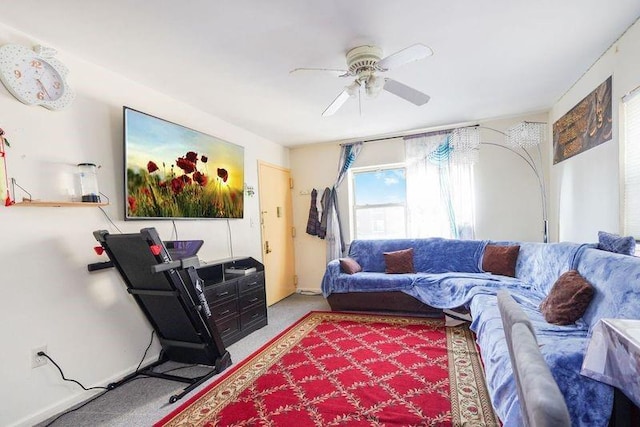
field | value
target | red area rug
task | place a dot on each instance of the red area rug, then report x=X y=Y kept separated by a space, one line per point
x=350 y=369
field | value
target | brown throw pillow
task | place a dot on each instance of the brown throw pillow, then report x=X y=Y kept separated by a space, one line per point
x=350 y=265
x=568 y=299
x=500 y=259
x=399 y=262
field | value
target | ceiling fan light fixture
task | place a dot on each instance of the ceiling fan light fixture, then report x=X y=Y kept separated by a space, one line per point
x=364 y=63
x=374 y=85
x=352 y=89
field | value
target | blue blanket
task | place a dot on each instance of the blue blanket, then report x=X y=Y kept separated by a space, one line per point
x=455 y=279
x=589 y=402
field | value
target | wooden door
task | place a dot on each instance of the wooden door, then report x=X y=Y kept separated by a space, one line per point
x=276 y=220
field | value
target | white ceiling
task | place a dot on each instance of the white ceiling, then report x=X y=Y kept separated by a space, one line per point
x=232 y=58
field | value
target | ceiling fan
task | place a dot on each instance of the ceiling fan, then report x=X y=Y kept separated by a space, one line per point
x=365 y=63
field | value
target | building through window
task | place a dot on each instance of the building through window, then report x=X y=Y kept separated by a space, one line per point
x=379 y=199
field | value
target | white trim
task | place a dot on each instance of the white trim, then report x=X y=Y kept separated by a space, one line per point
x=627 y=97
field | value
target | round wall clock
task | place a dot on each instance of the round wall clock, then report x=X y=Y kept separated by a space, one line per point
x=33 y=76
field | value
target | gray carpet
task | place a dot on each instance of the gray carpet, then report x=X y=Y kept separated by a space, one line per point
x=144 y=401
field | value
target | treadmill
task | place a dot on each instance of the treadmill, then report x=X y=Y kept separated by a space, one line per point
x=169 y=293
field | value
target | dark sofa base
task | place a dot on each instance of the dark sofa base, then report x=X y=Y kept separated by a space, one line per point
x=381 y=302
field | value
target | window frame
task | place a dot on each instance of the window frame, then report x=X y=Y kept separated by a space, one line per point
x=353 y=208
x=627 y=212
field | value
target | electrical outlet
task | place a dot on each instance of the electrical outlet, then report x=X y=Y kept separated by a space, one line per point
x=36 y=360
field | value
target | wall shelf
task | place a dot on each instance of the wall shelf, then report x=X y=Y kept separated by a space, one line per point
x=51 y=204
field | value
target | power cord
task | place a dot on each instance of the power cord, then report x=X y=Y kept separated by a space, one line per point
x=106 y=389
x=145 y=351
x=107 y=216
x=230 y=238
x=76 y=408
x=42 y=353
x=175 y=230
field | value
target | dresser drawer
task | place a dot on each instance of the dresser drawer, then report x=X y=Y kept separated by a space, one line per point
x=251 y=281
x=254 y=314
x=228 y=327
x=221 y=291
x=225 y=309
x=250 y=299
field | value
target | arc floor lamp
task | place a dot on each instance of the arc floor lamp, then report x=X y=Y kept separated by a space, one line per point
x=521 y=139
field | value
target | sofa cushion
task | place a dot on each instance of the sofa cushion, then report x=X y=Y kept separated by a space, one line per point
x=500 y=260
x=614 y=243
x=350 y=265
x=615 y=278
x=430 y=255
x=568 y=299
x=540 y=264
x=399 y=262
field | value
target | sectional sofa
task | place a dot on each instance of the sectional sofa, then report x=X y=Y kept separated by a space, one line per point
x=453 y=274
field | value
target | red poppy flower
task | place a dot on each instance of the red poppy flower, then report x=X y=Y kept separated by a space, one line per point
x=163 y=184
x=186 y=165
x=186 y=179
x=177 y=185
x=204 y=158
x=192 y=157
x=200 y=178
x=152 y=167
x=222 y=173
x=146 y=192
x=132 y=203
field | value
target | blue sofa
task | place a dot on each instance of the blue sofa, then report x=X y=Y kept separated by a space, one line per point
x=449 y=275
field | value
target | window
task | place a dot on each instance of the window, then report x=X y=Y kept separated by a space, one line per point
x=631 y=104
x=379 y=202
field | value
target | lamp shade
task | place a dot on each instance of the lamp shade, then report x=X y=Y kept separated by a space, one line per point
x=465 y=139
x=526 y=134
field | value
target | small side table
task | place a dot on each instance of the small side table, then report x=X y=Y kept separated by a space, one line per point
x=613 y=357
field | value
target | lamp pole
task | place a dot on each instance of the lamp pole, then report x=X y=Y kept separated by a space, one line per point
x=539 y=173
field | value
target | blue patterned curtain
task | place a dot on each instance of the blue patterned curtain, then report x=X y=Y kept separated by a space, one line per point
x=441 y=157
x=439 y=192
x=335 y=240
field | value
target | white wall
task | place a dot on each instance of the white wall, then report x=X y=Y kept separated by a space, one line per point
x=316 y=166
x=585 y=192
x=91 y=326
x=508 y=204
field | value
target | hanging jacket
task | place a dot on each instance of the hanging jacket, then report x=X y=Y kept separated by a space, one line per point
x=313 y=224
x=322 y=229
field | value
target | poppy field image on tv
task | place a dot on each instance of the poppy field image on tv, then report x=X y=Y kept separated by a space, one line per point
x=176 y=172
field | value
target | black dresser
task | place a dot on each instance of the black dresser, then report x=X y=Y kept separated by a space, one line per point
x=235 y=292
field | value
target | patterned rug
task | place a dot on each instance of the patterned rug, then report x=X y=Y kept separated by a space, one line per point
x=350 y=369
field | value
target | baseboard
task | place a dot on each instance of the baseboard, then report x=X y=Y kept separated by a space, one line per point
x=308 y=291
x=79 y=398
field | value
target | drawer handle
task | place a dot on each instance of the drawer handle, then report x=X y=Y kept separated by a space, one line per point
x=225 y=331
x=221 y=294
x=253 y=283
x=253 y=300
x=224 y=312
x=255 y=315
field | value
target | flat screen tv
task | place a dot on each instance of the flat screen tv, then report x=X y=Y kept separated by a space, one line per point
x=173 y=172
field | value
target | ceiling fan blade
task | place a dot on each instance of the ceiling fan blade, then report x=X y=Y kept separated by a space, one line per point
x=337 y=103
x=337 y=72
x=405 y=92
x=406 y=55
